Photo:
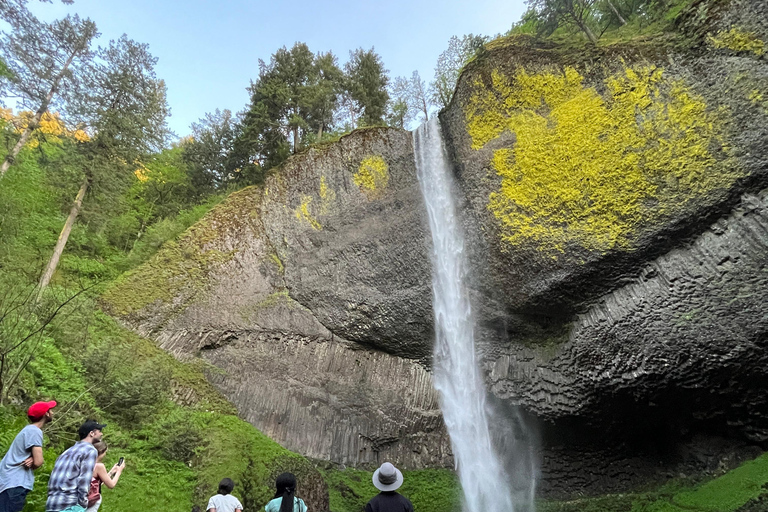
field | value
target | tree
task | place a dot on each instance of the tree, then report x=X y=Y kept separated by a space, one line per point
x=293 y=101
x=124 y=107
x=399 y=114
x=450 y=64
x=324 y=95
x=366 y=86
x=208 y=151
x=554 y=13
x=43 y=60
x=409 y=100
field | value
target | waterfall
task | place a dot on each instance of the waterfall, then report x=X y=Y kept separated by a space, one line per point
x=457 y=375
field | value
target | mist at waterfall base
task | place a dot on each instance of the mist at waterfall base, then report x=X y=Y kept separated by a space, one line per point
x=494 y=452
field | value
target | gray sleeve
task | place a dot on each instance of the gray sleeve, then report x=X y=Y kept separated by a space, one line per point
x=33 y=437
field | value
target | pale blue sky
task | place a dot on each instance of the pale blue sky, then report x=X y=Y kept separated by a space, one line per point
x=209 y=50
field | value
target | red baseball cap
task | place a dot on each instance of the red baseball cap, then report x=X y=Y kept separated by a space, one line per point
x=38 y=409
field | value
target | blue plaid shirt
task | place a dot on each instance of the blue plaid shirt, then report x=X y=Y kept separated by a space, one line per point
x=71 y=478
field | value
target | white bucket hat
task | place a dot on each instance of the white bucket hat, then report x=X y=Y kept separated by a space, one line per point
x=387 y=477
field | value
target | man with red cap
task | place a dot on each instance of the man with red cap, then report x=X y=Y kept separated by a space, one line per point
x=23 y=457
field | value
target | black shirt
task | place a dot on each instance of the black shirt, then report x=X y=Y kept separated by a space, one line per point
x=389 y=502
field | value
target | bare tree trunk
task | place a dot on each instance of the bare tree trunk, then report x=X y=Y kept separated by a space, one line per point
x=62 y=241
x=295 y=139
x=584 y=28
x=616 y=12
x=2 y=379
x=320 y=132
x=11 y=157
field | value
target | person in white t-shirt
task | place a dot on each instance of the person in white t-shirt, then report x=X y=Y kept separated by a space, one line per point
x=224 y=501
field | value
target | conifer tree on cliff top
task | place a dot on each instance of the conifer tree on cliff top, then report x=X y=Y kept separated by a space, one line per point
x=367 y=85
x=293 y=101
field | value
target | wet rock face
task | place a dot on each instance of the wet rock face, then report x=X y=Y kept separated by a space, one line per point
x=616 y=213
x=311 y=297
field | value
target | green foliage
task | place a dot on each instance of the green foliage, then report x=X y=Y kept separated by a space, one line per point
x=430 y=490
x=606 y=21
x=450 y=63
x=294 y=97
x=366 y=84
x=175 y=454
x=727 y=493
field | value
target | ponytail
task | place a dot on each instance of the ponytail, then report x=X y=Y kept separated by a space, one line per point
x=286 y=489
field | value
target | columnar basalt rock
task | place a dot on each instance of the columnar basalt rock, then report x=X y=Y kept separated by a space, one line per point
x=614 y=202
x=311 y=293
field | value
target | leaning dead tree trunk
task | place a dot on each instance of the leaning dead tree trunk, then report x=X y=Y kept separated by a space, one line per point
x=588 y=31
x=45 y=279
x=616 y=12
x=35 y=122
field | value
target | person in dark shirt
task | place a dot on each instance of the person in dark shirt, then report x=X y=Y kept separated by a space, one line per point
x=388 y=479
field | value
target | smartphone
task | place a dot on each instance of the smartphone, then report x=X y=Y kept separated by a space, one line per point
x=120 y=462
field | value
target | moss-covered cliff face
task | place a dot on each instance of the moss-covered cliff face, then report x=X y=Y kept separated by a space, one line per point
x=614 y=198
x=306 y=294
x=615 y=206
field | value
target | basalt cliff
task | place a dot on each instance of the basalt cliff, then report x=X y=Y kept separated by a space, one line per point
x=615 y=202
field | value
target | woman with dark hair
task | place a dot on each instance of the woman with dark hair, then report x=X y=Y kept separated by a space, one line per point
x=224 y=501
x=100 y=476
x=285 y=496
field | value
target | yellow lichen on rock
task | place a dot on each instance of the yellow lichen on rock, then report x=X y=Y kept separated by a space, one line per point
x=302 y=213
x=372 y=177
x=592 y=170
x=738 y=40
x=327 y=197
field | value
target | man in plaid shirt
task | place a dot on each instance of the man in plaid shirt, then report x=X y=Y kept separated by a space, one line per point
x=72 y=473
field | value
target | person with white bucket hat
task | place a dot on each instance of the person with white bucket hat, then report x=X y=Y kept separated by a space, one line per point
x=388 y=479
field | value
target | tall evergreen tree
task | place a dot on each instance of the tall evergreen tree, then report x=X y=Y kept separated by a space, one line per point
x=123 y=106
x=293 y=101
x=208 y=152
x=45 y=61
x=367 y=85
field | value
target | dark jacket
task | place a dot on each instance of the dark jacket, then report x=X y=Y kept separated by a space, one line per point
x=389 y=502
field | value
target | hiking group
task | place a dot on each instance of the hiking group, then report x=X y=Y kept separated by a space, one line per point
x=386 y=479
x=78 y=474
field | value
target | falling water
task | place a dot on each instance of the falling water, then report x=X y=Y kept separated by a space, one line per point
x=456 y=373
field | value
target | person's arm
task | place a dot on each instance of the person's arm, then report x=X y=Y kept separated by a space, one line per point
x=33 y=441
x=87 y=465
x=37 y=457
x=109 y=481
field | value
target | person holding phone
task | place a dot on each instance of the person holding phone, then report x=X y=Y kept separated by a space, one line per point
x=101 y=476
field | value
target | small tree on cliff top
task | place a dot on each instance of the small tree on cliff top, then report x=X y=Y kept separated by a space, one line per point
x=554 y=13
x=449 y=65
x=366 y=84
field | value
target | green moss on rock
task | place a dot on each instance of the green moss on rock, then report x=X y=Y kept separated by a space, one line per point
x=181 y=267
